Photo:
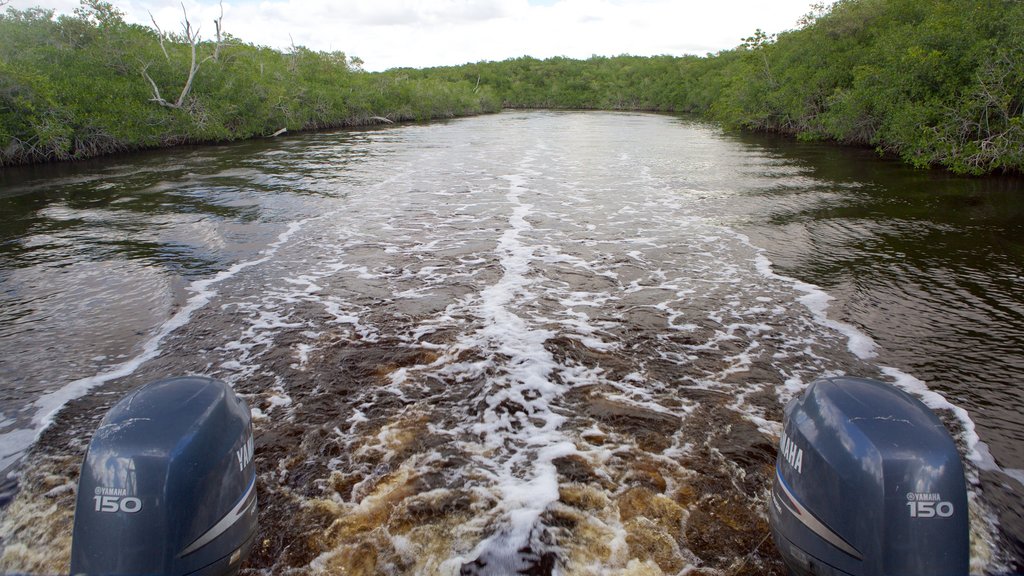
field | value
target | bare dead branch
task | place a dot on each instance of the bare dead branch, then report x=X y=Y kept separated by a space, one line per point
x=193 y=39
x=156 y=91
x=160 y=34
x=192 y=36
x=219 y=23
x=293 y=55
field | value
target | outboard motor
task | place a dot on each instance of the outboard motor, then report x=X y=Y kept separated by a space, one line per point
x=868 y=481
x=168 y=485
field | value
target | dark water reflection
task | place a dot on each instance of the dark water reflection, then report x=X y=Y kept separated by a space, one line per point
x=97 y=255
x=929 y=264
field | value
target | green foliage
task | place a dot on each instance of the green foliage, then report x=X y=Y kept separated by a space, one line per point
x=73 y=87
x=936 y=82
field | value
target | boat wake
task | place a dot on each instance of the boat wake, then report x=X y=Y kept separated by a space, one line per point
x=553 y=360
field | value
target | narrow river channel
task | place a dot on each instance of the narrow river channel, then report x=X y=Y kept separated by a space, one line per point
x=533 y=341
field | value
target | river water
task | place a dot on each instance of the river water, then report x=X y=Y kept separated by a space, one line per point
x=544 y=342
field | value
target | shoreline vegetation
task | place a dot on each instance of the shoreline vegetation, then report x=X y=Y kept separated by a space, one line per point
x=937 y=83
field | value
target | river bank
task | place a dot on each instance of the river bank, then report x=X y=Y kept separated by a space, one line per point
x=936 y=84
x=89 y=84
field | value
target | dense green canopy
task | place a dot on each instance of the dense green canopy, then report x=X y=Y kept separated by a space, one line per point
x=937 y=82
x=78 y=86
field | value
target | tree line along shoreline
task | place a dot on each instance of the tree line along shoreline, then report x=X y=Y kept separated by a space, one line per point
x=936 y=83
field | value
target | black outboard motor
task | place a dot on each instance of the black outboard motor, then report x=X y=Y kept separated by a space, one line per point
x=168 y=485
x=868 y=481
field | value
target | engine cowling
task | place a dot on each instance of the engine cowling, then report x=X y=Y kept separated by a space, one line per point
x=868 y=481
x=168 y=485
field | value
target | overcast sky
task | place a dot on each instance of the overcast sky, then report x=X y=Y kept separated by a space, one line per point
x=393 y=33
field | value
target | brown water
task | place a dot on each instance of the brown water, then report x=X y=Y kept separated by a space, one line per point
x=544 y=342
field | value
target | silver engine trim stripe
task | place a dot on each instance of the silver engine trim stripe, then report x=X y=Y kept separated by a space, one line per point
x=805 y=517
x=226 y=522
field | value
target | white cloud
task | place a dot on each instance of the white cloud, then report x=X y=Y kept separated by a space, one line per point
x=392 y=33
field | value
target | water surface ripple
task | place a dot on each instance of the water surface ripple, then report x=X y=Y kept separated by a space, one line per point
x=528 y=343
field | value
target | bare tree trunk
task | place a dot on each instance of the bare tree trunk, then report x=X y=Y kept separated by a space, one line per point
x=218 y=23
x=193 y=39
x=192 y=36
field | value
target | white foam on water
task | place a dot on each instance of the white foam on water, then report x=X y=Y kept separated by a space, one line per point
x=864 y=347
x=817 y=301
x=978 y=452
x=704 y=317
x=528 y=383
x=1015 y=473
x=679 y=273
x=264 y=323
x=14 y=444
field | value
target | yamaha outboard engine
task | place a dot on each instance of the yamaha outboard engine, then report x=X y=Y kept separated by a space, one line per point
x=868 y=481
x=168 y=485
